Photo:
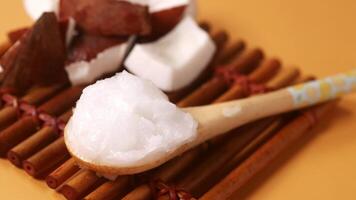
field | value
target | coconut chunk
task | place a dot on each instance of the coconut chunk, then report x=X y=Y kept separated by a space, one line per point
x=192 y=9
x=71 y=31
x=35 y=8
x=108 y=61
x=175 y=60
x=160 y=5
x=124 y=121
x=37 y=59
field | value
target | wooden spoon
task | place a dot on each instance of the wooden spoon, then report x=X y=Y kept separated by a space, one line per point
x=218 y=119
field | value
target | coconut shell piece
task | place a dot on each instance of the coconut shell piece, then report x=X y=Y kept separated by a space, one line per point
x=108 y=17
x=86 y=47
x=8 y=58
x=66 y=9
x=38 y=58
x=164 y=21
x=15 y=35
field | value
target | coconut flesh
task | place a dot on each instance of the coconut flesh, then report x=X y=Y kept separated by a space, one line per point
x=126 y=121
x=159 y=5
x=175 y=60
x=84 y=72
x=35 y=8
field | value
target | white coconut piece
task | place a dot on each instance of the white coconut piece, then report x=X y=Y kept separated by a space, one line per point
x=138 y=2
x=192 y=9
x=124 y=121
x=160 y=5
x=108 y=61
x=35 y=8
x=71 y=31
x=175 y=60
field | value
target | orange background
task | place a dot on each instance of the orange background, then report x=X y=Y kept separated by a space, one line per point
x=318 y=36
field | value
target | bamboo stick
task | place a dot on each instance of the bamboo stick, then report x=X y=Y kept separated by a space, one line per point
x=266 y=153
x=230 y=52
x=62 y=173
x=47 y=159
x=17 y=132
x=4 y=46
x=36 y=142
x=216 y=86
x=111 y=189
x=266 y=71
x=80 y=185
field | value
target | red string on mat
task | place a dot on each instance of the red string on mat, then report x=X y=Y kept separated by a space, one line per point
x=53 y=122
x=29 y=110
x=25 y=109
x=6 y=91
x=12 y=101
x=159 y=188
x=312 y=117
x=225 y=73
x=231 y=77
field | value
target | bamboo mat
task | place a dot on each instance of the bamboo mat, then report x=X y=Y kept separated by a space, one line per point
x=314 y=52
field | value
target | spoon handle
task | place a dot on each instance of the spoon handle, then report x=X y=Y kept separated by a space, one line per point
x=220 y=118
